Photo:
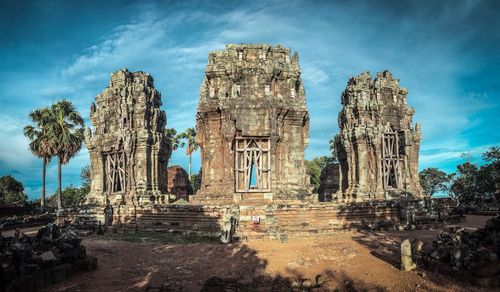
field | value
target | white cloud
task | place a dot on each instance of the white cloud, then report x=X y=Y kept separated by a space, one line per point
x=314 y=76
x=438 y=156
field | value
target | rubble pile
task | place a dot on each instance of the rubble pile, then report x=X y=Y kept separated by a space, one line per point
x=475 y=253
x=29 y=264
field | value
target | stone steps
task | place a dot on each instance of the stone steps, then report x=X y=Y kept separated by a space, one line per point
x=253 y=235
x=305 y=220
x=178 y=215
x=205 y=220
x=217 y=201
x=255 y=199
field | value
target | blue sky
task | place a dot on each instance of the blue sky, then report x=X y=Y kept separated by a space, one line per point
x=447 y=53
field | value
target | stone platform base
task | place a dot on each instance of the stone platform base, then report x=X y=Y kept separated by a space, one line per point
x=255 y=218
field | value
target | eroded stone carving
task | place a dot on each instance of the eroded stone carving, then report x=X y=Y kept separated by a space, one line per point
x=252 y=122
x=378 y=144
x=127 y=147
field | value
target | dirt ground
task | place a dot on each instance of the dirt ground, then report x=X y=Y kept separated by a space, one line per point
x=347 y=261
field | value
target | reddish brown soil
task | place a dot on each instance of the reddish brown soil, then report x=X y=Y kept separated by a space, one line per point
x=363 y=261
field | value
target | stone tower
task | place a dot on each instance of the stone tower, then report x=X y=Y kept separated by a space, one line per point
x=252 y=123
x=378 y=144
x=127 y=147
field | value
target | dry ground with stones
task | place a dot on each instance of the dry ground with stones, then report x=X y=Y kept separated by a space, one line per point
x=347 y=261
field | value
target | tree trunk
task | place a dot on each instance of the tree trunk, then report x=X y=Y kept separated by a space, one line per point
x=189 y=170
x=44 y=171
x=59 y=190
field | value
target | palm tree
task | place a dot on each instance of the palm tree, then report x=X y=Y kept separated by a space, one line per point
x=39 y=142
x=66 y=133
x=190 y=136
x=173 y=138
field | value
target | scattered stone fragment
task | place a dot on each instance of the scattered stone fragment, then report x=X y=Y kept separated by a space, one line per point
x=52 y=252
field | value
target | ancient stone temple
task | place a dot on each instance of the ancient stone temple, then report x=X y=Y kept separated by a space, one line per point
x=252 y=123
x=378 y=144
x=127 y=147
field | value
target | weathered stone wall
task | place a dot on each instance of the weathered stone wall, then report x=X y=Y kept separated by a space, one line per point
x=252 y=91
x=276 y=220
x=127 y=141
x=371 y=109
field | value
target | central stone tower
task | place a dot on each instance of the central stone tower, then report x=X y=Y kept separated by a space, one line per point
x=252 y=123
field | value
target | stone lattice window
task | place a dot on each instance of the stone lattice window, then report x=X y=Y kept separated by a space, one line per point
x=391 y=161
x=253 y=164
x=115 y=174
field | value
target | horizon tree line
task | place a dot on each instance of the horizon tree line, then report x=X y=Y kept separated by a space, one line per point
x=470 y=184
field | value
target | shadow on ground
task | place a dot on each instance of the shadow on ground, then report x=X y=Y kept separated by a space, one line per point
x=176 y=263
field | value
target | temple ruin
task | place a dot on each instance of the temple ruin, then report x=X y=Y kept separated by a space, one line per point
x=252 y=127
x=378 y=144
x=252 y=123
x=127 y=147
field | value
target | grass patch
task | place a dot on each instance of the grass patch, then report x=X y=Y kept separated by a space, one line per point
x=159 y=237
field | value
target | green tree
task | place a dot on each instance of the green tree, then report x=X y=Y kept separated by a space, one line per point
x=40 y=144
x=333 y=150
x=174 y=140
x=489 y=174
x=433 y=180
x=12 y=191
x=190 y=136
x=66 y=133
x=86 y=178
x=196 y=181
x=492 y=155
x=72 y=197
x=473 y=185
x=314 y=168
x=464 y=187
